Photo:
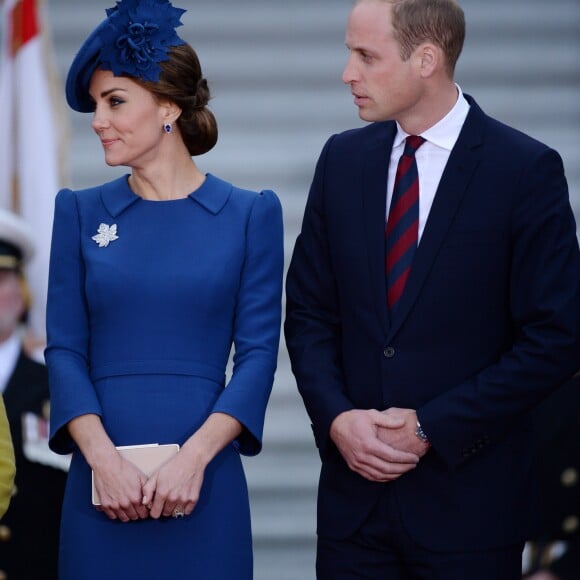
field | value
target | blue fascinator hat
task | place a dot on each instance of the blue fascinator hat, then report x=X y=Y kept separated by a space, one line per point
x=134 y=38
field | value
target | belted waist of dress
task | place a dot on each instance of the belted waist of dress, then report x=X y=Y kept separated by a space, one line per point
x=156 y=366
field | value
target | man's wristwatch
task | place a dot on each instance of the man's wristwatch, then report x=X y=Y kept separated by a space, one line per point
x=421 y=434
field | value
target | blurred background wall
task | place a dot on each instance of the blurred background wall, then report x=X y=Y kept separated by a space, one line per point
x=274 y=68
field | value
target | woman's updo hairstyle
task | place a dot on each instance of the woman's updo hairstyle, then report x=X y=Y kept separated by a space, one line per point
x=181 y=81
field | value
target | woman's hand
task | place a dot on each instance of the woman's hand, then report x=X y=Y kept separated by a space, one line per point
x=119 y=485
x=118 y=482
x=174 y=489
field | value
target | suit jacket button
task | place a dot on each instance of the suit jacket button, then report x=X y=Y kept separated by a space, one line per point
x=5 y=535
x=389 y=352
x=569 y=477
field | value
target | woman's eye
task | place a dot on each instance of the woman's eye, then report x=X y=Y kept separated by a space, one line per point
x=114 y=101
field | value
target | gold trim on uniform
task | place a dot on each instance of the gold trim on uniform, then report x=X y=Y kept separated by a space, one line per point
x=570 y=524
x=5 y=534
x=569 y=477
x=46 y=410
x=9 y=262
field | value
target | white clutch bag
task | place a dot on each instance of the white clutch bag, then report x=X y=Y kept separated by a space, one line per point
x=148 y=458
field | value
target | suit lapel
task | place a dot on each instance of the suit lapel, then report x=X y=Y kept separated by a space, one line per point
x=455 y=180
x=374 y=187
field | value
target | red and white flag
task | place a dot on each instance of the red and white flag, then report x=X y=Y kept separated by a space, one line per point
x=30 y=152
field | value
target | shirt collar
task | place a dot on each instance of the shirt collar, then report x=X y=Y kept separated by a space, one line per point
x=445 y=132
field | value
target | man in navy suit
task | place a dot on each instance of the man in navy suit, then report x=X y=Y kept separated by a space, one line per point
x=420 y=405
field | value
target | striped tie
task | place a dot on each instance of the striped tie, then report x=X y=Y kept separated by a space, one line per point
x=403 y=222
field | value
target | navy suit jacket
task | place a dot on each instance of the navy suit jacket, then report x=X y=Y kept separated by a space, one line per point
x=487 y=326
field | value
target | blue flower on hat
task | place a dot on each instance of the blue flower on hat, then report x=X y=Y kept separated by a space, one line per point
x=137 y=36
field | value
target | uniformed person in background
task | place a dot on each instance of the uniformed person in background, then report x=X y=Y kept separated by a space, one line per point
x=554 y=554
x=29 y=529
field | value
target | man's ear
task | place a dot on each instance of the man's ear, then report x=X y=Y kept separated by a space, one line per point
x=430 y=57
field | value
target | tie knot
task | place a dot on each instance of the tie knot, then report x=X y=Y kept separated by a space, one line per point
x=412 y=143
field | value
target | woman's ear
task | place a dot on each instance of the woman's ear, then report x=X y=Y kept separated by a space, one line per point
x=170 y=112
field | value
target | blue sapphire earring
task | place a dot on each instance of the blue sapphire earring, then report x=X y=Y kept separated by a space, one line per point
x=168 y=127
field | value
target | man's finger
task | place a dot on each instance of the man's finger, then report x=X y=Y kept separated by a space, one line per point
x=388 y=420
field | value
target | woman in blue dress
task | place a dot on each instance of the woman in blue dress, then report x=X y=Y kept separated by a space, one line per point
x=153 y=277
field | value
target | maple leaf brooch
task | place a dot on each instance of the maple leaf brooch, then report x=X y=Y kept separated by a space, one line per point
x=105 y=235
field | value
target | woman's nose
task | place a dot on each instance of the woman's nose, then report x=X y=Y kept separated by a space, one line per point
x=99 y=121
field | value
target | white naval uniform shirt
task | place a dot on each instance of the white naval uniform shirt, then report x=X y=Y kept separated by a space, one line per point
x=9 y=353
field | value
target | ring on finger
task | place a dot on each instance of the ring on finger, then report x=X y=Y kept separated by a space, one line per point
x=178 y=511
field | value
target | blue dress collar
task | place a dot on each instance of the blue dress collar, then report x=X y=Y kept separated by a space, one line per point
x=212 y=194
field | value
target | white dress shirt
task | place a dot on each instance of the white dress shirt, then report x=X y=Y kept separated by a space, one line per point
x=431 y=157
x=9 y=353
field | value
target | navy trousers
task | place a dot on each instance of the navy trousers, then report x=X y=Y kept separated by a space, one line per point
x=383 y=550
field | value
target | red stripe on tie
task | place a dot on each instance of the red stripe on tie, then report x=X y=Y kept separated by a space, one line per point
x=402 y=245
x=403 y=166
x=401 y=207
x=396 y=288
